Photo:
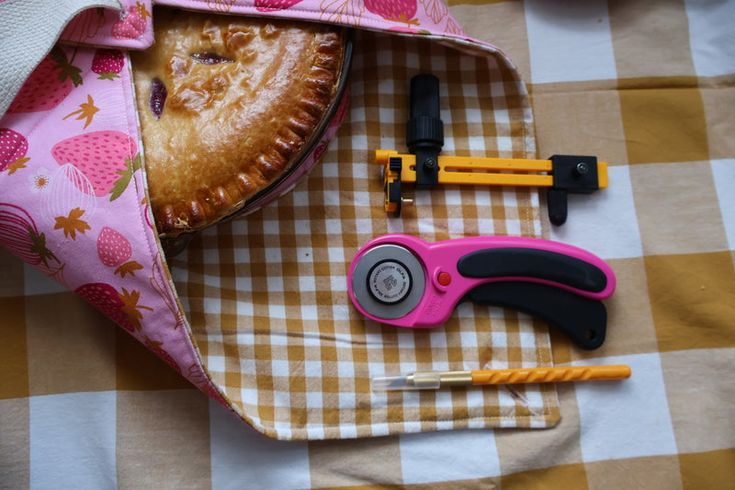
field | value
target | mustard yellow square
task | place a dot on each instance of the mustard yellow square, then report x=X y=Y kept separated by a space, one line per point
x=697 y=392
x=677 y=208
x=145 y=457
x=692 y=300
x=140 y=369
x=13 y=349
x=664 y=121
x=710 y=470
x=15 y=421
x=568 y=477
x=11 y=279
x=71 y=346
x=646 y=34
x=630 y=328
x=499 y=22
x=581 y=118
x=719 y=102
x=648 y=472
x=512 y=445
x=352 y=462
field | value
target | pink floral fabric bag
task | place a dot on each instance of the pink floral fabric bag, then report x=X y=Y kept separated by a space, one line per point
x=73 y=199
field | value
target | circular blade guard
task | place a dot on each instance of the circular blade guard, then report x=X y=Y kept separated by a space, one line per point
x=388 y=281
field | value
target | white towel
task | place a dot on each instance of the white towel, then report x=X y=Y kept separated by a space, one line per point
x=28 y=31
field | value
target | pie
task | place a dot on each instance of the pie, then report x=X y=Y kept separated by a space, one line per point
x=227 y=105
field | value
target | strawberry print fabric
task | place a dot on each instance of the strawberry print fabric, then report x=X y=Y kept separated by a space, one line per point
x=73 y=199
x=408 y=16
x=130 y=28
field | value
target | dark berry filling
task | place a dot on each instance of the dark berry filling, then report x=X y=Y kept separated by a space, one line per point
x=210 y=58
x=158 y=97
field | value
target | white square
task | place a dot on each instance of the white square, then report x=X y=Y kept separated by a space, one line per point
x=336 y=254
x=723 y=172
x=477 y=143
x=242 y=254
x=276 y=311
x=446 y=456
x=604 y=222
x=273 y=255
x=505 y=144
x=628 y=418
x=307 y=283
x=270 y=227
x=275 y=283
x=569 y=41
x=309 y=312
x=711 y=36
x=473 y=115
x=244 y=283
x=72 y=440
x=386 y=115
x=216 y=363
x=36 y=282
x=244 y=308
x=243 y=458
x=329 y=169
x=211 y=280
x=359 y=141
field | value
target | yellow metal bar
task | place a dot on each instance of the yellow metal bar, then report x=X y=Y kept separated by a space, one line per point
x=482 y=163
x=452 y=170
x=487 y=178
x=484 y=171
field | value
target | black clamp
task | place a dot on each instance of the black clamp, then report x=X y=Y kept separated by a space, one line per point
x=572 y=175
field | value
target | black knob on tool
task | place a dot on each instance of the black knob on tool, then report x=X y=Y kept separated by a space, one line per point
x=425 y=129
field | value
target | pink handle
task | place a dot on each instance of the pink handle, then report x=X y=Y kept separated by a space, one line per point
x=446 y=286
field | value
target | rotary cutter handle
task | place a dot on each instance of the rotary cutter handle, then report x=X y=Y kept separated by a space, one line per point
x=404 y=281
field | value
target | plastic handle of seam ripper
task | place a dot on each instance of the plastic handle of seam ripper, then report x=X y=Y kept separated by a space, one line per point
x=442 y=379
x=550 y=374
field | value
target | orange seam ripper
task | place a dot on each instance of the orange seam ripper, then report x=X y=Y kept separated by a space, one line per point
x=442 y=379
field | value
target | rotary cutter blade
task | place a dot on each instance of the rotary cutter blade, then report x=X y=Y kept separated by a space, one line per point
x=388 y=281
x=404 y=281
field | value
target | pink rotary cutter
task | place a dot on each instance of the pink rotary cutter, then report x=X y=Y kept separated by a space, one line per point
x=404 y=281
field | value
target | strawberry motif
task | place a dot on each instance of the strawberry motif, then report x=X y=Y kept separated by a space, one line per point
x=114 y=250
x=122 y=307
x=403 y=11
x=49 y=84
x=103 y=157
x=271 y=5
x=132 y=24
x=18 y=232
x=108 y=63
x=155 y=346
x=13 y=149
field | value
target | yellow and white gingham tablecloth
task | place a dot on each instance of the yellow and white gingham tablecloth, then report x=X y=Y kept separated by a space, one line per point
x=648 y=87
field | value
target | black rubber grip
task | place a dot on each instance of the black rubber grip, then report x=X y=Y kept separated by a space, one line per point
x=533 y=263
x=584 y=320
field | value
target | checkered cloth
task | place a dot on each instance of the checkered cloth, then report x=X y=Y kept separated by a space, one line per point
x=646 y=87
x=267 y=296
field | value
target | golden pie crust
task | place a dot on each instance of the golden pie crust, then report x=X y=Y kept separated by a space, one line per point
x=243 y=98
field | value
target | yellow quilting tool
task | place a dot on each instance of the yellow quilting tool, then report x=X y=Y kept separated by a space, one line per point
x=433 y=380
x=425 y=168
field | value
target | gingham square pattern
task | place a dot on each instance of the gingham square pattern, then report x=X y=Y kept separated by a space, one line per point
x=267 y=293
x=670 y=426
